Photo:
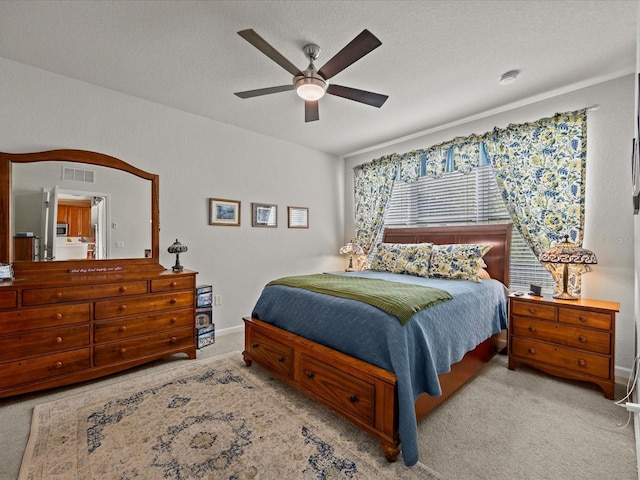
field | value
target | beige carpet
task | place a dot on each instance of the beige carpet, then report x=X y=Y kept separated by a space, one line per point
x=206 y=419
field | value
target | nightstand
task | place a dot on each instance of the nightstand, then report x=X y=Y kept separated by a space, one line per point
x=568 y=338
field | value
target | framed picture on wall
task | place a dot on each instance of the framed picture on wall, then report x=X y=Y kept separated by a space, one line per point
x=224 y=212
x=264 y=215
x=298 y=217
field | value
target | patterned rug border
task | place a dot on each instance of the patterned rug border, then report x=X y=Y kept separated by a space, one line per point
x=354 y=442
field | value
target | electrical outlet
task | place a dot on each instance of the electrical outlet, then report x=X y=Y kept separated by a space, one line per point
x=217 y=300
x=120 y=244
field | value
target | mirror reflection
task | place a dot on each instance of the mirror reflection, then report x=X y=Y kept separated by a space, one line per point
x=72 y=211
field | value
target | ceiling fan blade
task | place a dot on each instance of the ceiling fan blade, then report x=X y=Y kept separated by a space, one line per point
x=311 y=113
x=354 y=51
x=264 y=91
x=260 y=43
x=362 y=96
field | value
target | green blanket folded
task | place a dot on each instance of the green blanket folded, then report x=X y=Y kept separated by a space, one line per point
x=401 y=300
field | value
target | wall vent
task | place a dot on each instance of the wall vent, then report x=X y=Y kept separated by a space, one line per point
x=78 y=175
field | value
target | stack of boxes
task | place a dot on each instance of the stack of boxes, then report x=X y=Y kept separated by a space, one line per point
x=204 y=316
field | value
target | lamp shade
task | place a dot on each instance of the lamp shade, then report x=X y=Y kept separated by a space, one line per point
x=567 y=253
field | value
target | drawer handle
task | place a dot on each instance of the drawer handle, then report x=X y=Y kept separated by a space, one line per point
x=173 y=300
x=582 y=319
x=173 y=340
x=532 y=350
x=532 y=310
x=59 y=365
x=57 y=340
x=353 y=398
x=123 y=289
x=173 y=320
x=174 y=284
x=122 y=350
x=255 y=345
x=280 y=359
x=58 y=316
x=122 y=307
x=582 y=338
x=58 y=294
x=582 y=362
x=532 y=329
x=310 y=375
x=123 y=328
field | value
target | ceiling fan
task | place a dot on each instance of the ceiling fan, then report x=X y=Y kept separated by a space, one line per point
x=311 y=84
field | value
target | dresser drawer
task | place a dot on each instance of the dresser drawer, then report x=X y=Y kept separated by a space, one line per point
x=585 y=318
x=528 y=309
x=143 y=304
x=44 y=317
x=348 y=393
x=271 y=353
x=43 y=368
x=8 y=298
x=575 y=360
x=594 y=341
x=124 y=328
x=43 y=342
x=177 y=283
x=42 y=296
x=147 y=345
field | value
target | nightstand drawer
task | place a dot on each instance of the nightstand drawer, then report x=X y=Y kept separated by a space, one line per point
x=575 y=360
x=585 y=318
x=594 y=341
x=528 y=309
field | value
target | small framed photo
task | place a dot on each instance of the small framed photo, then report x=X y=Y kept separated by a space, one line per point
x=298 y=217
x=224 y=212
x=264 y=215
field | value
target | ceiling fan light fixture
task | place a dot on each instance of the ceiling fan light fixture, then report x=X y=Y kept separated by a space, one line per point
x=310 y=88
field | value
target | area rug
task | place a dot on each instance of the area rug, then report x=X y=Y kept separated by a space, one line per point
x=208 y=419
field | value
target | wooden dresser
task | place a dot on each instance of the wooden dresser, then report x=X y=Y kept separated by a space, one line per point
x=69 y=328
x=568 y=338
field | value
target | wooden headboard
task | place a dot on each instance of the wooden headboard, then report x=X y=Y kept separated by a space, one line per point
x=497 y=234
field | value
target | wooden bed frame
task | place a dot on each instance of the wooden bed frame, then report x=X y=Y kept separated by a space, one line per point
x=364 y=394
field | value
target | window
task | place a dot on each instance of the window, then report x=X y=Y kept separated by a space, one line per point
x=465 y=199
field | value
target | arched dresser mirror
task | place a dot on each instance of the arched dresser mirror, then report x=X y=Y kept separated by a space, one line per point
x=89 y=297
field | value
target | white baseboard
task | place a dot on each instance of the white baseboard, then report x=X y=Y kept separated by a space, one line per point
x=227 y=331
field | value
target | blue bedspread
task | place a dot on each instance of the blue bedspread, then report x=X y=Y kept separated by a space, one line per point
x=433 y=340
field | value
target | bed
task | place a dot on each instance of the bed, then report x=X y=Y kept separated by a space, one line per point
x=366 y=366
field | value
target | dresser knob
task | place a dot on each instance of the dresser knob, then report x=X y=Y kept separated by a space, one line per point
x=123 y=328
x=58 y=295
x=531 y=350
x=532 y=310
x=57 y=340
x=310 y=375
x=122 y=350
x=582 y=338
x=353 y=398
x=122 y=307
x=59 y=365
x=582 y=362
x=174 y=284
x=173 y=340
x=58 y=316
x=532 y=329
x=254 y=345
x=582 y=319
x=173 y=300
x=173 y=320
x=280 y=359
x=123 y=289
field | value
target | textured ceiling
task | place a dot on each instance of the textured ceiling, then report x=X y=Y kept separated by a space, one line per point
x=439 y=61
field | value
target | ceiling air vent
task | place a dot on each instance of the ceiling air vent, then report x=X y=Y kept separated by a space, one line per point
x=78 y=175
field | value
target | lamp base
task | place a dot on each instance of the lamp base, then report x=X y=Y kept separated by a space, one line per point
x=565 y=296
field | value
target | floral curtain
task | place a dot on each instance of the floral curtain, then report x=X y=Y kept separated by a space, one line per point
x=373 y=182
x=539 y=166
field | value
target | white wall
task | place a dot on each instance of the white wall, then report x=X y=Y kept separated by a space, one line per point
x=609 y=220
x=196 y=159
